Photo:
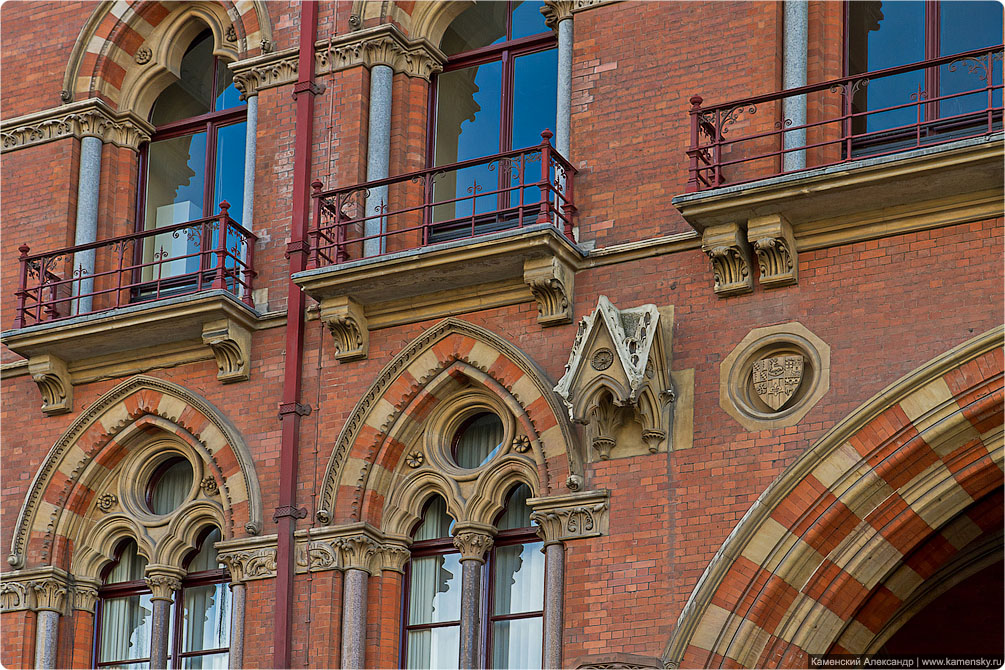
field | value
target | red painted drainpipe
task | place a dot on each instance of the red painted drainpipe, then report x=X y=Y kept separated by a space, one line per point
x=290 y=409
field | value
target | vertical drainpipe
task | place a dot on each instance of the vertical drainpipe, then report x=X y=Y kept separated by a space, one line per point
x=378 y=153
x=794 y=26
x=290 y=409
x=88 y=183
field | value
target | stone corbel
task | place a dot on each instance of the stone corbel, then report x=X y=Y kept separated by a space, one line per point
x=53 y=379
x=571 y=517
x=551 y=281
x=347 y=324
x=231 y=345
x=473 y=541
x=556 y=11
x=249 y=559
x=727 y=246
x=775 y=247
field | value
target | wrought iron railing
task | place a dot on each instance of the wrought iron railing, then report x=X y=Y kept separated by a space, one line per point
x=463 y=200
x=749 y=139
x=210 y=253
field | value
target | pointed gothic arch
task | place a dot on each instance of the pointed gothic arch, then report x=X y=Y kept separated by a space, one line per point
x=125 y=46
x=452 y=362
x=799 y=569
x=142 y=413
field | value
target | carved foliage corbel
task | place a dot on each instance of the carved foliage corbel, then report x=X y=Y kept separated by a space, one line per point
x=605 y=417
x=551 y=282
x=775 y=247
x=727 y=247
x=556 y=11
x=347 y=324
x=231 y=345
x=50 y=374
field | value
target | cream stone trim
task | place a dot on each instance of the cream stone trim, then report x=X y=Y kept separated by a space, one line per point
x=551 y=282
x=473 y=540
x=230 y=342
x=40 y=589
x=571 y=517
x=50 y=374
x=771 y=238
x=249 y=558
x=556 y=11
x=727 y=247
x=353 y=546
x=735 y=370
x=583 y=5
x=345 y=321
x=759 y=516
x=86 y=118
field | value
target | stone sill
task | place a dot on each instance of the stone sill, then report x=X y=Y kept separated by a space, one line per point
x=519 y=265
x=134 y=338
x=849 y=189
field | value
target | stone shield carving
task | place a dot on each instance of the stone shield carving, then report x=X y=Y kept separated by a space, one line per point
x=777 y=378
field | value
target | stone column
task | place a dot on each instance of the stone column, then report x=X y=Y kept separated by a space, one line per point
x=378 y=153
x=554 y=601
x=250 y=145
x=88 y=189
x=474 y=542
x=558 y=16
x=50 y=601
x=238 y=598
x=163 y=582
x=794 y=25
x=358 y=554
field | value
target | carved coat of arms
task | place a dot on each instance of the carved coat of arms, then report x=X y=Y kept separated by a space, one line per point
x=777 y=378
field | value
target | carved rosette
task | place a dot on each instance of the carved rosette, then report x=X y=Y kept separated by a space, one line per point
x=570 y=517
x=106 y=501
x=473 y=544
x=163 y=582
x=775 y=247
x=727 y=247
x=345 y=321
x=231 y=345
x=551 y=282
x=556 y=11
x=50 y=374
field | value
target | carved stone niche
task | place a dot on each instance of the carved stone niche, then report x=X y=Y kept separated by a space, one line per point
x=617 y=380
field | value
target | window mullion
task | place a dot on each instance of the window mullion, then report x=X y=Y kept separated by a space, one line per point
x=209 y=207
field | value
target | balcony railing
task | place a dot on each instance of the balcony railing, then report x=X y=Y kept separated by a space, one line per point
x=210 y=253
x=464 y=200
x=918 y=105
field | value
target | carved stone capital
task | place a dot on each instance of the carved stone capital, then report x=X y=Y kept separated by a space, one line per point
x=249 y=559
x=266 y=71
x=163 y=581
x=473 y=541
x=231 y=345
x=45 y=588
x=359 y=552
x=570 y=517
x=50 y=374
x=85 y=595
x=86 y=118
x=316 y=556
x=14 y=596
x=381 y=45
x=394 y=556
x=556 y=11
x=347 y=324
x=727 y=247
x=50 y=594
x=551 y=282
x=775 y=247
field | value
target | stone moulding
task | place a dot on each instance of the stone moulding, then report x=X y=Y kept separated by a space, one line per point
x=380 y=45
x=46 y=588
x=727 y=247
x=571 y=517
x=353 y=546
x=249 y=558
x=775 y=247
x=551 y=282
x=86 y=118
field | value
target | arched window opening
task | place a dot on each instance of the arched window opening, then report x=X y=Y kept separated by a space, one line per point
x=124 y=611
x=169 y=486
x=202 y=610
x=497 y=92
x=478 y=440
x=516 y=588
x=433 y=578
x=195 y=160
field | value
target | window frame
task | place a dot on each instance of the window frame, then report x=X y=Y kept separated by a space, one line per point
x=504 y=538
x=136 y=587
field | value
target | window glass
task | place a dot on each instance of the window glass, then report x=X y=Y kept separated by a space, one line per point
x=227 y=95
x=478 y=440
x=192 y=94
x=964 y=26
x=229 y=184
x=527 y=19
x=206 y=617
x=467 y=113
x=534 y=102
x=477 y=26
x=130 y=566
x=436 y=589
x=126 y=625
x=517 y=514
x=169 y=487
x=206 y=558
x=519 y=579
x=433 y=648
x=517 y=643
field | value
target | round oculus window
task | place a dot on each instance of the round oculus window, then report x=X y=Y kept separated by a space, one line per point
x=478 y=440
x=169 y=486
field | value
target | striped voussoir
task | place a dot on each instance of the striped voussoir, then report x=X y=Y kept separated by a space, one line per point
x=852 y=531
x=137 y=410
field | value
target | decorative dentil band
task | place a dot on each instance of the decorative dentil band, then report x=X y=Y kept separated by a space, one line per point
x=86 y=118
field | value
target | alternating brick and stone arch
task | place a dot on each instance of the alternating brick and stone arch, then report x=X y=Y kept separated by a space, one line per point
x=858 y=523
x=127 y=46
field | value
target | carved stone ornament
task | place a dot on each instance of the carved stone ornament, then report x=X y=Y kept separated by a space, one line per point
x=210 y=486
x=347 y=324
x=775 y=247
x=521 y=444
x=143 y=55
x=249 y=559
x=777 y=378
x=414 y=459
x=359 y=552
x=727 y=247
x=50 y=594
x=231 y=34
x=551 y=282
x=163 y=585
x=106 y=501
x=353 y=546
x=50 y=374
x=316 y=556
x=46 y=588
x=556 y=11
x=231 y=345
x=473 y=544
x=634 y=386
x=85 y=118
x=13 y=596
x=85 y=597
x=571 y=517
